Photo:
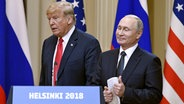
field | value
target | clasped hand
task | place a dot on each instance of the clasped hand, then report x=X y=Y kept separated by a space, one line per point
x=118 y=89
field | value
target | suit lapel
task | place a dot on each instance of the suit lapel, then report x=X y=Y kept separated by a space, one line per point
x=68 y=50
x=113 y=61
x=131 y=65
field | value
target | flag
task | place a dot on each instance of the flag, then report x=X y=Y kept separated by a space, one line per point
x=138 y=8
x=15 y=64
x=173 y=74
x=79 y=13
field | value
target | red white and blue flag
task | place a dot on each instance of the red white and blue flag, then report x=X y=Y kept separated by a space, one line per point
x=15 y=63
x=173 y=74
x=79 y=13
x=139 y=8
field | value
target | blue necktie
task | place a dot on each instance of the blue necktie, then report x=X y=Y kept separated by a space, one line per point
x=121 y=63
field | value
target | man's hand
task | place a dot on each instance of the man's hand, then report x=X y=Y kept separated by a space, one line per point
x=119 y=88
x=108 y=96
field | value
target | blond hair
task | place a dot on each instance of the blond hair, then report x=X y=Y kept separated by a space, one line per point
x=65 y=7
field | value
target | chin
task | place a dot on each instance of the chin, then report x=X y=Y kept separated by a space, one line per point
x=119 y=42
x=56 y=34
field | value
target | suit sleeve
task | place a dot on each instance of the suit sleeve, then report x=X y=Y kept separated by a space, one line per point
x=42 y=77
x=91 y=59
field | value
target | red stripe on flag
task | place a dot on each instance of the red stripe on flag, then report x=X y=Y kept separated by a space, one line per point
x=2 y=96
x=174 y=80
x=112 y=47
x=176 y=45
x=164 y=101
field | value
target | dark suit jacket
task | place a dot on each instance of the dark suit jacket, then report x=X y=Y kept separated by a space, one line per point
x=78 y=61
x=142 y=76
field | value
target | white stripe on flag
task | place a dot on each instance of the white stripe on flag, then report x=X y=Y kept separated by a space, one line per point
x=170 y=91
x=18 y=23
x=179 y=32
x=175 y=63
x=144 y=5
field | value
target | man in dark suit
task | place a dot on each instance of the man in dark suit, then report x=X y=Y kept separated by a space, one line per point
x=80 y=51
x=141 y=79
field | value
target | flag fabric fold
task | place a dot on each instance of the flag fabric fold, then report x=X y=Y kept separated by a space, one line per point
x=173 y=74
x=15 y=67
x=139 y=8
x=79 y=13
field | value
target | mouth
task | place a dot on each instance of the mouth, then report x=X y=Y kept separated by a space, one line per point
x=54 y=29
x=121 y=38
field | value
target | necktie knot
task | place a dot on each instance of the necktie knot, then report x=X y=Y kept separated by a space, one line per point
x=123 y=53
x=60 y=41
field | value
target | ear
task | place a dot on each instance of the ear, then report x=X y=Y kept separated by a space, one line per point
x=139 y=34
x=69 y=20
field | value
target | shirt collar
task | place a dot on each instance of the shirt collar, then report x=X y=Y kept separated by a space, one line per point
x=129 y=51
x=68 y=35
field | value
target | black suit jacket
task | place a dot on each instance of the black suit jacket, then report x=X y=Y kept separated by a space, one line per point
x=142 y=76
x=78 y=62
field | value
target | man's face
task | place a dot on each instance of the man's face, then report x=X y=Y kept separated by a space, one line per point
x=58 y=23
x=126 y=32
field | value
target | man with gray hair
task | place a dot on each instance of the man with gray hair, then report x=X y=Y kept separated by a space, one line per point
x=138 y=72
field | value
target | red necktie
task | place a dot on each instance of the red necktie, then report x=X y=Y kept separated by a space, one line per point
x=58 y=58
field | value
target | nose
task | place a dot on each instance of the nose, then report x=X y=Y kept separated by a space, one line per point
x=120 y=31
x=51 y=21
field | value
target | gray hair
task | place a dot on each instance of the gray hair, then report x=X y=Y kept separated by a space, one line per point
x=140 y=25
